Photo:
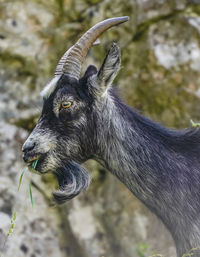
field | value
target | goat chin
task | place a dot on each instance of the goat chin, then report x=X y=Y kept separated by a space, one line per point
x=72 y=179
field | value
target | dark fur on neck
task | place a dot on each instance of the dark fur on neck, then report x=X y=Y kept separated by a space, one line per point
x=160 y=166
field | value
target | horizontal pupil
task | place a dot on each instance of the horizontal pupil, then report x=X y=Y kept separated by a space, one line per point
x=66 y=104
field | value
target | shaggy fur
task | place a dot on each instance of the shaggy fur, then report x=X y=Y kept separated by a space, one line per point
x=72 y=179
x=160 y=166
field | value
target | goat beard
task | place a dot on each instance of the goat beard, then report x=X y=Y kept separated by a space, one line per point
x=72 y=179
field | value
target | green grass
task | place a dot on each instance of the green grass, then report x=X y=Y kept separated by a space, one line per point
x=10 y=231
x=34 y=164
x=21 y=176
x=31 y=195
x=12 y=224
x=195 y=124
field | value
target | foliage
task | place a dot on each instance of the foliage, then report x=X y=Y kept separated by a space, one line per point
x=195 y=124
x=141 y=250
x=10 y=231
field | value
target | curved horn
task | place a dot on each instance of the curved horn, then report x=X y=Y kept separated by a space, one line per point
x=72 y=60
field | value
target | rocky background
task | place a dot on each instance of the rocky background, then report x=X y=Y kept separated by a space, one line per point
x=159 y=77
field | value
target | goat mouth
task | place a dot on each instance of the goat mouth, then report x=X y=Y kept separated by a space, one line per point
x=32 y=159
x=34 y=162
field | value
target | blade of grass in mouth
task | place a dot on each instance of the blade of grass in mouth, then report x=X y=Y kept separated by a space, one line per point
x=21 y=176
x=34 y=164
x=31 y=195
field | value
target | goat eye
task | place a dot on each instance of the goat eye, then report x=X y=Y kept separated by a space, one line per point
x=66 y=105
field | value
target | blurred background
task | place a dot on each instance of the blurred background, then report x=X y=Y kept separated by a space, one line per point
x=159 y=77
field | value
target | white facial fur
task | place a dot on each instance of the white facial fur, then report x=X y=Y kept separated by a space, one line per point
x=46 y=92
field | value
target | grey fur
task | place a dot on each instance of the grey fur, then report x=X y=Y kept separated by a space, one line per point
x=160 y=166
x=72 y=180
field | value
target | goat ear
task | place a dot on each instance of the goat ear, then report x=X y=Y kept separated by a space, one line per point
x=110 y=67
x=91 y=70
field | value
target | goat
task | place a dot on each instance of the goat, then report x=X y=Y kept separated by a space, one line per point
x=84 y=118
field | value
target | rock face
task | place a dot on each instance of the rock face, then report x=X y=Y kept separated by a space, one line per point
x=159 y=77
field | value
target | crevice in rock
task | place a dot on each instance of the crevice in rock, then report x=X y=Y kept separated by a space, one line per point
x=47 y=199
x=143 y=27
x=68 y=242
x=73 y=247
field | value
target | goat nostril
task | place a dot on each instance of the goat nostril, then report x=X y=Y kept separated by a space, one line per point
x=28 y=146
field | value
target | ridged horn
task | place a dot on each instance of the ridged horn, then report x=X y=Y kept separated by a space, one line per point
x=71 y=62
